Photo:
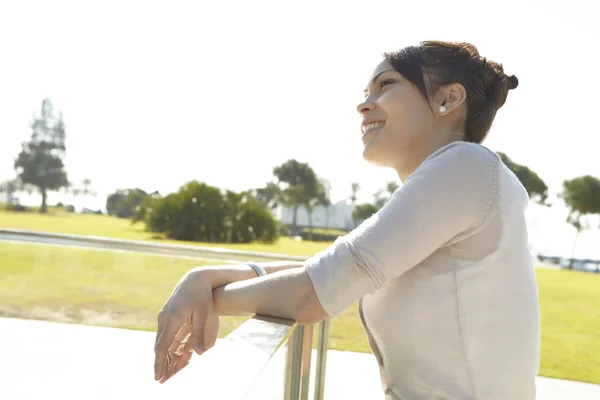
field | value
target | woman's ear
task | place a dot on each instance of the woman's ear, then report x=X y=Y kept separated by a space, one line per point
x=451 y=97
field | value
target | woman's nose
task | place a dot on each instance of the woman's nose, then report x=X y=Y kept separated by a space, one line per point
x=364 y=107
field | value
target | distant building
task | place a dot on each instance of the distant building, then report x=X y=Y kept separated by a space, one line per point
x=335 y=216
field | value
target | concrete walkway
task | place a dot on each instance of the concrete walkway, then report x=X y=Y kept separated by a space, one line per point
x=53 y=360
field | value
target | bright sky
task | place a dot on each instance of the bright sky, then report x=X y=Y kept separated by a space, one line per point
x=156 y=94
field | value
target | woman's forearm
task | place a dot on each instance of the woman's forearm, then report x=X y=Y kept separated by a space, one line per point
x=288 y=293
x=225 y=274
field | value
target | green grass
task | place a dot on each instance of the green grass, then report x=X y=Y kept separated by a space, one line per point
x=94 y=287
x=108 y=288
x=57 y=221
x=126 y=290
x=570 y=305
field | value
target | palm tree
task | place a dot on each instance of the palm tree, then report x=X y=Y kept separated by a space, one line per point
x=86 y=187
x=320 y=198
x=355 y=189
x=391 y=187
x=353 y=198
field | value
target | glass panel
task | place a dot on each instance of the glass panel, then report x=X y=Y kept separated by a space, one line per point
x=94 y=287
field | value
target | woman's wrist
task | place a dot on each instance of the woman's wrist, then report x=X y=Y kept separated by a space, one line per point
x=225 y=274
x=220 y=275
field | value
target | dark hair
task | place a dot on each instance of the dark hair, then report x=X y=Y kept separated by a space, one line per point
x=444 y=63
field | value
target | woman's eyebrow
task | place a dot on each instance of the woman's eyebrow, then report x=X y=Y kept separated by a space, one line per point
x=376 y=77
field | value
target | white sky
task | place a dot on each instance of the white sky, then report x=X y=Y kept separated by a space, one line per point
x=155 y=94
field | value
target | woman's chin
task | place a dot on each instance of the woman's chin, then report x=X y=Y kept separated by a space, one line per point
x=373 y=155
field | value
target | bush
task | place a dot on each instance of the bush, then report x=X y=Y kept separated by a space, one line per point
x=124 y=203
x=198 y=212
x=321 y=235
x=16 y=207
x=364 y=211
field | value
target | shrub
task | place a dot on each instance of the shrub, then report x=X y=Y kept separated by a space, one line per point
x=16 y=208
x=321 y=235
x=124 y=203
x=199 y=212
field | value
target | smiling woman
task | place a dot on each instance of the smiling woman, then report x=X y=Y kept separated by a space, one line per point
x=444 y=276
x=429 y=96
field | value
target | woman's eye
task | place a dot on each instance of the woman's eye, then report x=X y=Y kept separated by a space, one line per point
x=385 y=82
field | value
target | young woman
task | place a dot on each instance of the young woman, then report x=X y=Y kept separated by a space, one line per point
x=447 y=290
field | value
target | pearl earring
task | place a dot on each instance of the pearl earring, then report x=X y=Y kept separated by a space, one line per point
x=442 y=109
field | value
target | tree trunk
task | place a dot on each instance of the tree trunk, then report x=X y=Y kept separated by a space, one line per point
x=294 y=218
x=44 y=207
x=573 y=250
x=309 y=224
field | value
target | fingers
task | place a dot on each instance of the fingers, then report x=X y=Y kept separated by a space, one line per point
x=184 y=343
x=160 y=326
x=180 y=339
x=171 y=326
x=212 y=331
x=199 y=319
x=185 y=357
x=178 y=356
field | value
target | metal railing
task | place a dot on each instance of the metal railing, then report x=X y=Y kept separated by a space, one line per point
x=252 y=345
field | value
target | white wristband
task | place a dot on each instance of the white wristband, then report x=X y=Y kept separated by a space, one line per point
x=259 y=270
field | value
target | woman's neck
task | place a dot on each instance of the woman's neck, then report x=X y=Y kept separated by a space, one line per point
x=408 y=165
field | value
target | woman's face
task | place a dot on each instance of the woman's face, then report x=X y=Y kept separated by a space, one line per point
x=398 y=123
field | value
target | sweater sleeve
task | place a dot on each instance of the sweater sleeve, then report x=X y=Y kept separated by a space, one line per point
x=450 y=196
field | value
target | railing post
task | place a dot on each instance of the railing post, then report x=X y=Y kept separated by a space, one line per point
x=297 y=366
x=322 y=345
x=307 y=335
x=293 y=365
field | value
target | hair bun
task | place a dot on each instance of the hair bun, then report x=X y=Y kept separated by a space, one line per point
x=513 y=82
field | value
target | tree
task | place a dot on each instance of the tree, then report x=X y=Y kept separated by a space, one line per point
x=319 y=198
x=9 y=188
x=327 y=190
x=534 y=185
x=269 y=195
x=40 y=162
x=125 y=203
x=355 y=188
x=364 y=211
x=298 y=184
x=86 y=190
x=391 y=187
x=582 y=196
x=200 y=212
x=382 y=196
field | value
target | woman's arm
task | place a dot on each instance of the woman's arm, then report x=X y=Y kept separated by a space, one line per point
x=204 y=293
x=288 y=293
x=224 y=274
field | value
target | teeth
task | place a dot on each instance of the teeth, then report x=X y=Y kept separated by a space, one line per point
x=373 y=125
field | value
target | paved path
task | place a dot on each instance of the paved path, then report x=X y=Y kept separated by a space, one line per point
x=42 y=360
x=139 y=246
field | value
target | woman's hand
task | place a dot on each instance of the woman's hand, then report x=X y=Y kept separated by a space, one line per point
x=185 y=324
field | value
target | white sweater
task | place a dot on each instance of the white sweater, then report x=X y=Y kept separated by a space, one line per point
x=449 y=299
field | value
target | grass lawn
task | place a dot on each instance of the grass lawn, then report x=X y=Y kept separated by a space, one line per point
x=58 y=221
x=126 y=290
x=108 y=288
x=570 y=305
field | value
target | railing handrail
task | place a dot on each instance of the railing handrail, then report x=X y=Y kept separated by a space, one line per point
x=139 y=245
x=230 y=368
